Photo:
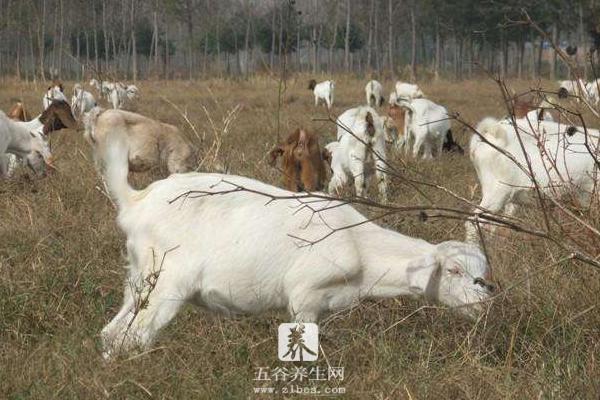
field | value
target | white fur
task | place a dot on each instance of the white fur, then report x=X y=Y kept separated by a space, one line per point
x=374 y=93
x=82 y=101
x=17 y=140
x=355 y=153
x=204 y=250
x=54 y=93
x=427 y=123
x=408 y=91
x=562 y=165
x=120 y=94
x=324 y=91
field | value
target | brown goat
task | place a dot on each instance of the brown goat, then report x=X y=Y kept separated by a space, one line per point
x=57 y=116
x=525 y=103
x=398 y=115
x=303 y=161
x=18 y=112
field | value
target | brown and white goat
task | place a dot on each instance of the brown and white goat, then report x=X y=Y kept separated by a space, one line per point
x=150 y=143
x=303 y=163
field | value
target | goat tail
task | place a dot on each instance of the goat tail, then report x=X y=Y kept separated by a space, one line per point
x=115 y=157
x=493 y=131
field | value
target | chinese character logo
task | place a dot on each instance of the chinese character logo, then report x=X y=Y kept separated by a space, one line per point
x=298 y=342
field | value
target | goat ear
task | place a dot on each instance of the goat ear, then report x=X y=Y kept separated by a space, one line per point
x=420 y=273
x=273 y=154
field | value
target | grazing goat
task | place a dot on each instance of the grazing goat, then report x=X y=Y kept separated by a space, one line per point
x=428 y=124
x=103 y=88
x=17 y=140
x=397 y=115
x=150 y=143
x=560 y=163
x=57 y=116
x=82 y=101
x=18 y=112
x=407 y=91
x=374 y=93
x=120 y=94
x=322 y=91
x=54 y=92
x=303 y=166
x=533 y=106
x=202 y=249
x=360 y=143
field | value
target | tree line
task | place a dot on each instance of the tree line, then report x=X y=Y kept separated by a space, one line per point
x=189 y=39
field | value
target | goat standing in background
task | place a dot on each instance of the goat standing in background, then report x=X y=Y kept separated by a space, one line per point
x=322 y=91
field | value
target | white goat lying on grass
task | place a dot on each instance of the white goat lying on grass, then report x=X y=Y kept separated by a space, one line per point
x=352 y=155
x=202 y=248
x=30 y=146
x=428 y=124
x=559 y=159
x=322 y=91
x=151 y=143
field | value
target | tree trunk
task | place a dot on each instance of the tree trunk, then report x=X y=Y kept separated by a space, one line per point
x=133 y=43
x=391 y=39
x=61 y=38
x=347 y=39
x=436 y=64
x=247 y=42
x=370 y=40
x=272 y=52
x=42 y=40
x=413 y=25
x=334 y=38
x=96 y=57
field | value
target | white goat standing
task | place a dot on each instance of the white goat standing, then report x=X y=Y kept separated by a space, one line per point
x=427 y=123
x=17 y=140
x=322 y=91
x=103 y=88
x=374 y=93
x=120 y=94
x=352 y=153
x=54 y=92
x=182 y=251
x=559 y=159
x=82 y=101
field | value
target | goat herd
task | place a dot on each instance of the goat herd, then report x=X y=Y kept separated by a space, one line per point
x=239 y=246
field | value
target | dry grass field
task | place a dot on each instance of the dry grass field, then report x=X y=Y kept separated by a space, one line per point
x=61 y=275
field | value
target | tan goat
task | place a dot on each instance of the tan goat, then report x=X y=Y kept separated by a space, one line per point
x=151 y=143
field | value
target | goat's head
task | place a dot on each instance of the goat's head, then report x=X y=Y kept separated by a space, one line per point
x=457 y=275
x=311 y=84
x=303 y=162
x=40 y=154
x=57 y=116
